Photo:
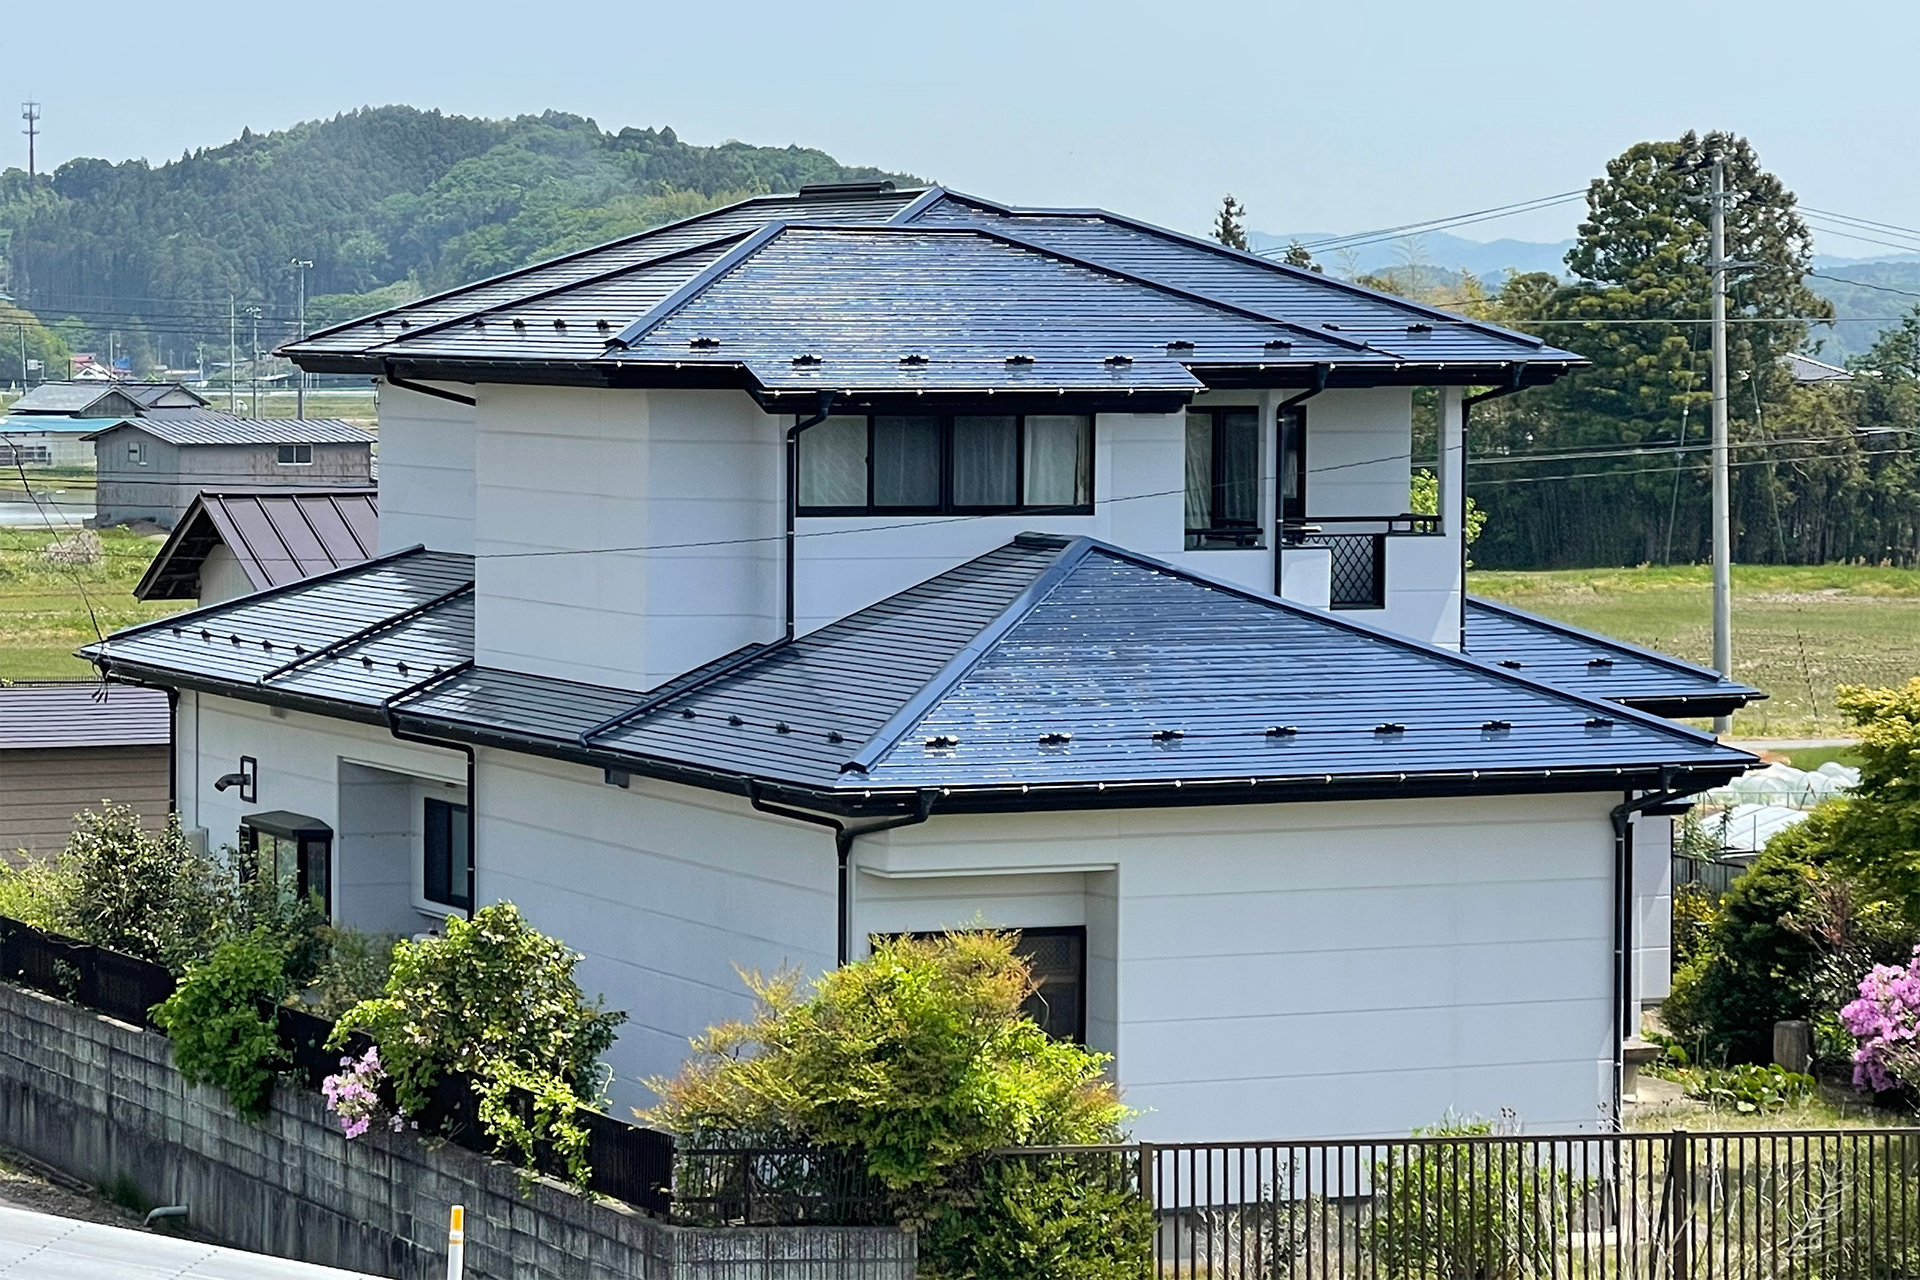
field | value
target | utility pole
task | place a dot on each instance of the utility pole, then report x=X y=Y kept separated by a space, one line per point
x=233 y=350
x=1722 y=512
x=30 y=112
x=253 y=361
x=300 y=268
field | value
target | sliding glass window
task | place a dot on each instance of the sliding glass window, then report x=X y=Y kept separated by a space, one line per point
x=925 y=464
x=1223 y=479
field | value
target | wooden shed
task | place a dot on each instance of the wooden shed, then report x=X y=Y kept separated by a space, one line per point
x=67 y=747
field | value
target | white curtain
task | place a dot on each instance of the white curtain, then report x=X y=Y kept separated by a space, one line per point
x=985 y=462
x=1199 y=471
x=833 y=463
x=906 y=462
x=1059 y=460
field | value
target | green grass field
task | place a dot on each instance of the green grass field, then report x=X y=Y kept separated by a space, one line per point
x=1797 y=631
x=43 y=607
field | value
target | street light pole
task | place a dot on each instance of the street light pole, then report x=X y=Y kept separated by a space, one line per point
x=1722 y=503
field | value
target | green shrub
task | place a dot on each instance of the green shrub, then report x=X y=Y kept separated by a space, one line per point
x=919 y=1061
x=1458 y=1210
x=1051 y=1216
x=496 y=1000
x=33 y=892
x=220 y=1035
x=1750 y=1088
x=1693 y=917
x=141 y=893
x=354 y=968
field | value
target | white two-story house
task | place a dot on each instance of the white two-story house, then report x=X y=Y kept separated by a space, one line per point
x=867 y=561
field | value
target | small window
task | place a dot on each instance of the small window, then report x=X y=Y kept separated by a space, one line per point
x=293 y=852
x=448 y=878
x=1057 y=958
x=1293 y=465
x=296 y=455
x=136 y=453
x=923 y=464
x=1223 y=479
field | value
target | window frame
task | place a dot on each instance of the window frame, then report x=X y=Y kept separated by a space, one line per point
x=1078 y=932
x=450 y=903
x=137 y=453
x=946 y=505
x=1253 y=534
x=281 y=450
x=313 y=858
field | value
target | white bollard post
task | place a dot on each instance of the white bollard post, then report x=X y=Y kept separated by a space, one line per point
x=457 y=1243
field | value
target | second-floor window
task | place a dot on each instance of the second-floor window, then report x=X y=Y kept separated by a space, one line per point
x=928 y=464
x=1223 y=479
x=292 y=455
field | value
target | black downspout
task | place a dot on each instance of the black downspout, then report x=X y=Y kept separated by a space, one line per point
x=173 y=751
x=793 y=491
x=1624 y=1021
x=1320 y=372
x=1514 y=373
x=843 y=837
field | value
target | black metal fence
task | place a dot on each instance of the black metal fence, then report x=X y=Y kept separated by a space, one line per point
x=1676 y=1206
x=628 y=1162
x=775 y=1186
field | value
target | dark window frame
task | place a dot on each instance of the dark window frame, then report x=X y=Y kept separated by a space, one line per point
x=1078 y=1032
x=946 y=504
x=1291 y=449
x=313 y=860
x=1249 y=535
x=288 y=455
x=432 y=806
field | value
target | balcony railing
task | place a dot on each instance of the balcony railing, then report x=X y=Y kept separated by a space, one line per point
x=1358 y=569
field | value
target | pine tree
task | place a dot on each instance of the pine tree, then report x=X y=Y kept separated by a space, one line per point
x=1230 y=228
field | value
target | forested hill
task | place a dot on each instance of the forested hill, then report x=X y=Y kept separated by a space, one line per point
x=385 y=201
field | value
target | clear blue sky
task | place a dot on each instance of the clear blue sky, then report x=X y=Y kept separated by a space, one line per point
x=1323 y=116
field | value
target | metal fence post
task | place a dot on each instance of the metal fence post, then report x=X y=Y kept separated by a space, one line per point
x=1680 y=1204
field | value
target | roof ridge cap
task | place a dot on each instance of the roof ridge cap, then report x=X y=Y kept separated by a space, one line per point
x=956 y=668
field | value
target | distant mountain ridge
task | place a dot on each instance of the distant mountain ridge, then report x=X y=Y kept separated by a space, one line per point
x=383 y=202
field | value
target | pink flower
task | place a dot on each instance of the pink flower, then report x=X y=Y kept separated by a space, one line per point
x=1884 y=1022
x=353 y=1095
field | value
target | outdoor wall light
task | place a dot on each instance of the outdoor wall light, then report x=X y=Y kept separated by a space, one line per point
x=247 y=779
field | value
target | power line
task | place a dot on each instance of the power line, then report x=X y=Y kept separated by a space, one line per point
x=1865 y=222
x=1642 y=471
x=1360 y=238
x=1862 y=284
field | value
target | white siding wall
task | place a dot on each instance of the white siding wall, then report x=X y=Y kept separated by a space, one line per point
x=426 y=471
x=1653 y=908
x=1308 y=969
x=583 y=469
x=221 y=577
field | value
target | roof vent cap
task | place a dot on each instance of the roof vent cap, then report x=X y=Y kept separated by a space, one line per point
x=942 y=742
x=1599 y=722
x=1496 y=726
x=267 y=645
x=1281 y=731
x=559 y=324
x=1021 y=360
x=602 y=324
x=735 y=721
x=704 y=344
x=1279 y=344
x=1421 y=327
x=1179 y=344
x=1057 y=738
x=805 y=361
x=1390 y=727
x=518 y=323
x=1168 y=735
x=401 y=667
x=1512 y=664
x=913 y=359
x=1599 y=662
x=1119 y=362
x=835 y=736
x=479 y=322
x=406 y=324
x=367 y=663
x=1328 y=324
x=781 y=726
x=686 y=713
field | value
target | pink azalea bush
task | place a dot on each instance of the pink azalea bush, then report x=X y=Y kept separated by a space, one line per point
x=1885 y=1020
x=353 y=1095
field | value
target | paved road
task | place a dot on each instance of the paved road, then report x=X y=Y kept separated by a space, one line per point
x=39 y=1246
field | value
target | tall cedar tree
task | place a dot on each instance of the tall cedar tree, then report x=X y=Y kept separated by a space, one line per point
x=1230 y=227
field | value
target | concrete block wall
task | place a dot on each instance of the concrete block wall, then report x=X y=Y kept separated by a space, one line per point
x=100 y=1100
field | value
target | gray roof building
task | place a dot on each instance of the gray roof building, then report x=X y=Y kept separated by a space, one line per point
x=105 y=399
x=236 y=542
x=67 y=747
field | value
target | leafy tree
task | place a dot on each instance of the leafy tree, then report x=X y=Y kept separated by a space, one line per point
x=496 y=1000
x=139 y=892
x=1229 y=226
x=218 y=1019
x=920 y=1061
x=1874 y=833
x=1297 y=256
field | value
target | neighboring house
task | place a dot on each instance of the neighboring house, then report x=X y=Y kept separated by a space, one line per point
x=234 y=543
x=50 y=440
x=861 y=562
x=93 y=399
x=1806 y=370
x=64 y=748
x=151 y=467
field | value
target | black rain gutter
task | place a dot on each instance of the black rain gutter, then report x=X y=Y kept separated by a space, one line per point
x=1516 y=373
x=1320 y=374
x=793 y=492
x=473 y=809
x=843 y=838
x=1624 y=1020
x=394 y=379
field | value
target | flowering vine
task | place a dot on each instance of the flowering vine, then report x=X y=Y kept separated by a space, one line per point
x=1885 y=1021
x=353 y=1095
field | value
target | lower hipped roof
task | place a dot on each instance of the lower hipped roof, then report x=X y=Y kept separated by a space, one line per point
x=1597 y=666
x=277 y=535
x=1046 y=671
x=204 y=426
x=67 y=716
